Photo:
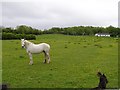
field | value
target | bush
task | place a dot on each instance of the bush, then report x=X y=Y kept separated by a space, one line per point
x=9 y=36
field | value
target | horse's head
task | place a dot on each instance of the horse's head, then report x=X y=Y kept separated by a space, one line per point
x=23 y=43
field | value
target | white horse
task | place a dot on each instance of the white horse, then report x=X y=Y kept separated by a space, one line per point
x=36 y=48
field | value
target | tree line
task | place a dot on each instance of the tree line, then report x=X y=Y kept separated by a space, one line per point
x=82 y=30
x=20 y=32
x=30 y=33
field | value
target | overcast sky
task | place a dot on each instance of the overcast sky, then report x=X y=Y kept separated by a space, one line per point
x=44 y=14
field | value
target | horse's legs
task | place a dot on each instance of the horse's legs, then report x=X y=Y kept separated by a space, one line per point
x=45 y=57
x=48 y=58
x=31 y=61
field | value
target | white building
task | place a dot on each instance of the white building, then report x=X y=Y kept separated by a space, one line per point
x=102 y=34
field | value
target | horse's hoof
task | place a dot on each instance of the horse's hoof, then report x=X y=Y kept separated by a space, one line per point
x=30 y=63
x=48 y=62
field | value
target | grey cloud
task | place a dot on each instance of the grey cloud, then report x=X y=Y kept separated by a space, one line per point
x=48 y=13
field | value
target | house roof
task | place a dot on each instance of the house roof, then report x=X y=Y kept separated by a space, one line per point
x=103 y=33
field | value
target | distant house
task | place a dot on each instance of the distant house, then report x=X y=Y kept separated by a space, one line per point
x=102 y=34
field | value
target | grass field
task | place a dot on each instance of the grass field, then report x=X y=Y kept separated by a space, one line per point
x=0 y=61
x=75 y=61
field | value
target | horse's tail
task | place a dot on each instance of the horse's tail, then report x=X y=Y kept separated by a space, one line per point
x=47 y=47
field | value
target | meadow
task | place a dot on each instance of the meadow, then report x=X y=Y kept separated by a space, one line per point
x=0 y=61
x=75 y=60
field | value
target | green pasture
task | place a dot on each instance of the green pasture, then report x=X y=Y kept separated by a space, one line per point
x=0 y=61
x=75 y=60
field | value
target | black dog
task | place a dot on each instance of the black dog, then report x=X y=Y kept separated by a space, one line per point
x=102 y=81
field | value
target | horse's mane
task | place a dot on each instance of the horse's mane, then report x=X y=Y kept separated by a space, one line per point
x=28 y=41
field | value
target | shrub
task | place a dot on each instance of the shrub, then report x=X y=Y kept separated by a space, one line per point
x=9 y=36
